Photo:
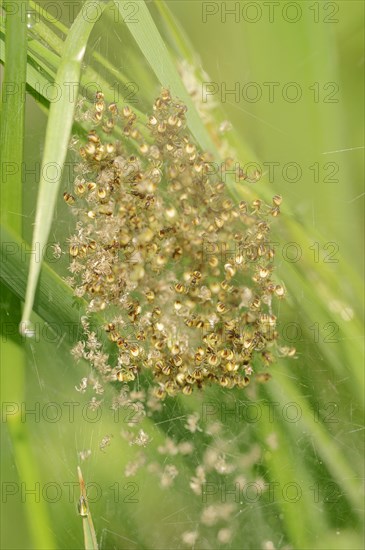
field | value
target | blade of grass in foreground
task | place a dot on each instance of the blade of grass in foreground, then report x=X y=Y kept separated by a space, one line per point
x=57 y=136
x=178 y=38
x=282 y=389
x=48 y=32
x=153 y=48
x=89 y=532
x=13 y=372
x=12 y=119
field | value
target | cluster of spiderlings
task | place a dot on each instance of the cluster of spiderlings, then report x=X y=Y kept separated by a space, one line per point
x=151 y=231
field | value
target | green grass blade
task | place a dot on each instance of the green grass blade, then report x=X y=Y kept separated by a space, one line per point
x=176 y=31
x=153 y=48
x=57 y=137
x=49 y=34
x=54 y=301
x=283 y=390
x=283 y=465
x=13 y=361
x=90 y=540
x=12 y=119
x=35 y=79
